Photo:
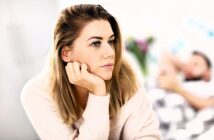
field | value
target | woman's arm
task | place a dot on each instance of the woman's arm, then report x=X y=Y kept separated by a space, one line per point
x=96 y=123
x=49 y=126
x=143 y=123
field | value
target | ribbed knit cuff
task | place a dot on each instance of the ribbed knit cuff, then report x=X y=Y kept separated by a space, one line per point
x=97 y=107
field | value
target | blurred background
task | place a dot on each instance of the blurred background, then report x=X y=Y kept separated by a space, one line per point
x=26 y=28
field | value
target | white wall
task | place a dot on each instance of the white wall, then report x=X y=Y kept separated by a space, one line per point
x=25 y=37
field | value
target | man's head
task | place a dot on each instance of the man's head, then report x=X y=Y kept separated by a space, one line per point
x=198 y=67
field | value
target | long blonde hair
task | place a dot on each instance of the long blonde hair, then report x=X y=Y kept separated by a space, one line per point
x=69 y=25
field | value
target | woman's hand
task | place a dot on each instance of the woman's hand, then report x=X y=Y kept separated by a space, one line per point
x=78 y=74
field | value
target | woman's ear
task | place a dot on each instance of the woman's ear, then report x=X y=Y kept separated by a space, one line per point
x=66 y=54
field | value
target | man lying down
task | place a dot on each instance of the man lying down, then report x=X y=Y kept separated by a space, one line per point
x=185 y=103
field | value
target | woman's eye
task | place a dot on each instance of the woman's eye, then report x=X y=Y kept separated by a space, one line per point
x=111 y=42
x=96 y=44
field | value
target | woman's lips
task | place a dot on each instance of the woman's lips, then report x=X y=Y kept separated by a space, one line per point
x=109 y=65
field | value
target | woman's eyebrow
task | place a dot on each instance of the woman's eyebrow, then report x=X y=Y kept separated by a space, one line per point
x=95 y=37
x=100 y=38
x=112 y=36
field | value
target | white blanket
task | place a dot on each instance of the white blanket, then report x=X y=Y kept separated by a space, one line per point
x=178 y=120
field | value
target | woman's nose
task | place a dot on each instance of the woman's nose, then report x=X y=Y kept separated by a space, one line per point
x=108 y=51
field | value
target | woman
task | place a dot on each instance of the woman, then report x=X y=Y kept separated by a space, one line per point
x=92 y=93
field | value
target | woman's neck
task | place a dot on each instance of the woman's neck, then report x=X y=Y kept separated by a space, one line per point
x=82 y=94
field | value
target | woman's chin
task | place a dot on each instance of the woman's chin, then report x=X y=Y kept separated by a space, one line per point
x=106 y=77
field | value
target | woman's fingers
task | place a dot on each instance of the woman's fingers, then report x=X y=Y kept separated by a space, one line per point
x=76 y=72
x=76 y=69
x=84 y=68
x=70 y=72
x=79 y=74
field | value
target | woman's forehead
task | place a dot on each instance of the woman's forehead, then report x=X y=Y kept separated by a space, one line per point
x=100 y=28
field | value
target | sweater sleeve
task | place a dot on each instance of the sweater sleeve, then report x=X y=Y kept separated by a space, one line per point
x=150 y=129
x=142 y=123
x=48 y=124
x=96 y=123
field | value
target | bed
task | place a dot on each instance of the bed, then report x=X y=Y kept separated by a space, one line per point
x=178 y=120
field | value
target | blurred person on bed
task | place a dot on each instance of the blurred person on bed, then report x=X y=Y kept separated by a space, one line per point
x=196 y=73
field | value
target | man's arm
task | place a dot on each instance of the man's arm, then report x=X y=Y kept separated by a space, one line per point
x=195 y=101
x=169 y=82
x=171 y=61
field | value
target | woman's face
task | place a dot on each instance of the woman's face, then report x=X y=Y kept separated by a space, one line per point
x=95 y=47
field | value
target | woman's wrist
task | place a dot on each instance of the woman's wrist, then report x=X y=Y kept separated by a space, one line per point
x=100 y=90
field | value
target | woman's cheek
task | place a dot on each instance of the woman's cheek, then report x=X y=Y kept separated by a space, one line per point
x=91 y=66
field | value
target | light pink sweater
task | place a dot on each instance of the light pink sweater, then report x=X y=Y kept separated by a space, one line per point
x=135 y=120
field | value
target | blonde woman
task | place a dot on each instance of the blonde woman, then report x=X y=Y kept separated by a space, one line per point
x=89 y=92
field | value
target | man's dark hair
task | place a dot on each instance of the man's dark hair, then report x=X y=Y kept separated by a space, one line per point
x=207 y=60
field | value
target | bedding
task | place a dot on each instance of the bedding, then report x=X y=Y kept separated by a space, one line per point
x=178 y=120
